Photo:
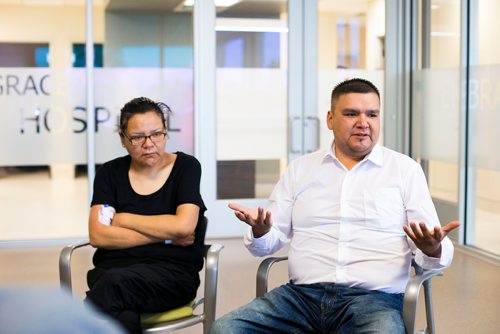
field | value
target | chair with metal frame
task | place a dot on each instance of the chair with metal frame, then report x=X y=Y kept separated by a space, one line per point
x=171 y=320
x=420 y=277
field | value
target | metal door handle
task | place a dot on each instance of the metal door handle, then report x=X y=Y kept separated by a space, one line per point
x=291 y=148
x=316 y=120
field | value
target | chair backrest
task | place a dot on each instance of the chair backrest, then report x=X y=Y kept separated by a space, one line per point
x=203 y=232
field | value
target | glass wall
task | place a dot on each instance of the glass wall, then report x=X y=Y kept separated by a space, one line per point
x=148 y=52
x=436 y=102
x=140 y=49
x=455 y=101
x=41 y=194
x=484 y=106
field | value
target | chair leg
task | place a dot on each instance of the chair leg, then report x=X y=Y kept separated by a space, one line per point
x=429 y=312
x=211 y=275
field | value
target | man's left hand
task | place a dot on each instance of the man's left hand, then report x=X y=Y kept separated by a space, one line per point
x=429 y=241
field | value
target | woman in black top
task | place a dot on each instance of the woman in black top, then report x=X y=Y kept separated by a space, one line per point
x=146 y=221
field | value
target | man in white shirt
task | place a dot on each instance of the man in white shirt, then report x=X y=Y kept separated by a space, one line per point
x=353 y=216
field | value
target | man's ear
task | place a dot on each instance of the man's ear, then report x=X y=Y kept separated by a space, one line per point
x=329 y=119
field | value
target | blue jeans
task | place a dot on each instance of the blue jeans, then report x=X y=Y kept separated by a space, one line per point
x=316 y=308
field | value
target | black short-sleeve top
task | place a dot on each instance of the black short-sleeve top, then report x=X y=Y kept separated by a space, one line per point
x=112 y=186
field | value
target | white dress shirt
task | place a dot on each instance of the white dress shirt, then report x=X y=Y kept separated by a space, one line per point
x=346 y=226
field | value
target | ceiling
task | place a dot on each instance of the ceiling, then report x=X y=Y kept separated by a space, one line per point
x=244 y=8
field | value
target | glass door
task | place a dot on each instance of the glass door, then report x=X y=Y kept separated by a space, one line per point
x=251 y=98
x=244 y=154
x=254 y=96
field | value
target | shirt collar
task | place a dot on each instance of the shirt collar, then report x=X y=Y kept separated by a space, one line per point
x=375 y=156
x=329 y=153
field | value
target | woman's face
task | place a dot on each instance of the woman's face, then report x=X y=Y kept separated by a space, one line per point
x=145 y=138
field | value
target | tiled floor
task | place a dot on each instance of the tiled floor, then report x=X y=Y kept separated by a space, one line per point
x=466 y=298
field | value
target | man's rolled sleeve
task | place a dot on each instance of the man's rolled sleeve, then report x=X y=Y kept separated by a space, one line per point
x=267 y=244
x=442 y=262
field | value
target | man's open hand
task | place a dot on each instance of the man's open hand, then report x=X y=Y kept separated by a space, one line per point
x=429 y=241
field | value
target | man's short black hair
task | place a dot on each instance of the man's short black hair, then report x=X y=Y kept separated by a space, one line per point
x=355 y=85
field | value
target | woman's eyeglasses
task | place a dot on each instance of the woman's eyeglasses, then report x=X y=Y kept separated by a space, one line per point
x=155 y=137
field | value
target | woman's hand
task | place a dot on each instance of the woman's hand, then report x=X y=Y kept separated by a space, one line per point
x=184 y=242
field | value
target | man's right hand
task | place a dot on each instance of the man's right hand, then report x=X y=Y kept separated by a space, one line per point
x=259 y=221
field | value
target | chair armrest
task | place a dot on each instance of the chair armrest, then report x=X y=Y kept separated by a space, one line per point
x=65 y=264
x=421 y=277
x=263 y=273
x=211 y=274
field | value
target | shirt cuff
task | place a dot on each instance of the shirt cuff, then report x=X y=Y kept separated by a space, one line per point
x=258 y=242
x=257 y=246
x=437 y=263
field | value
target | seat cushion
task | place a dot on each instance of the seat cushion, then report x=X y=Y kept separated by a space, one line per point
x=176 y=313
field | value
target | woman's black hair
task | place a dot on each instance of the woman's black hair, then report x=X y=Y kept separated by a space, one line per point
x=142 y=105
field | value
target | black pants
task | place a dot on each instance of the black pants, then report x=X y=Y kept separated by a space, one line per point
x=125 y=292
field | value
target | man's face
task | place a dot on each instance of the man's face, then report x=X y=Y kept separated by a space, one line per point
x=355 y=121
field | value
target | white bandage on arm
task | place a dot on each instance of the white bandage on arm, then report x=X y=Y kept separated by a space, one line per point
x=106 y=214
